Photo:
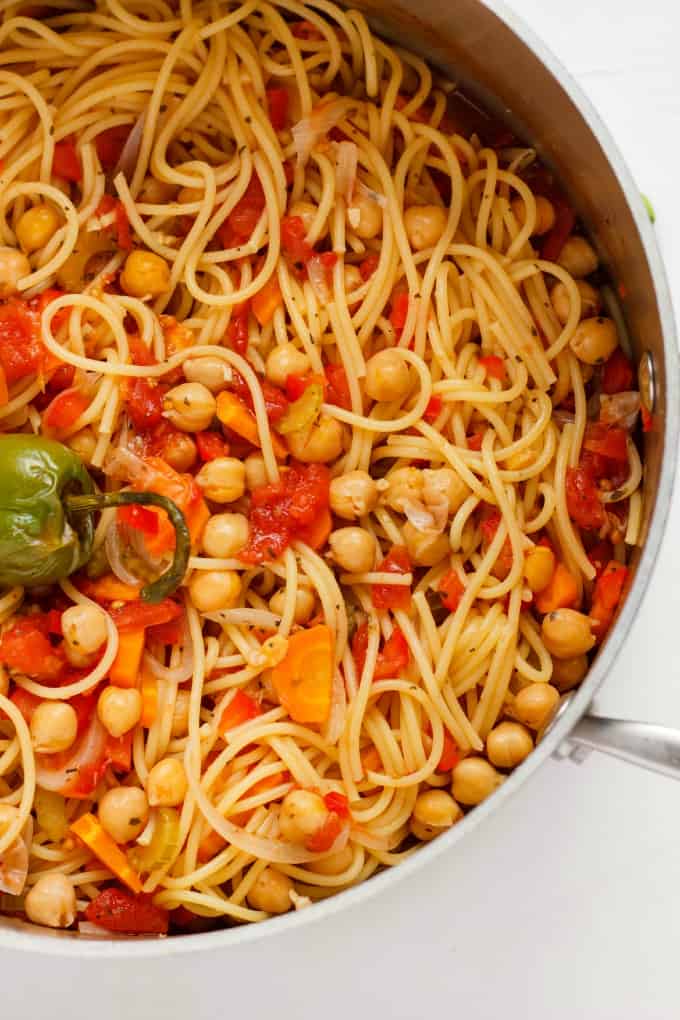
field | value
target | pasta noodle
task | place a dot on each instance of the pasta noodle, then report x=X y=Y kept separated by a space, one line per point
x=258 y=261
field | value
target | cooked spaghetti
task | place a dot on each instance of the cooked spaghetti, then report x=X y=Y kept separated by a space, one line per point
x=259 y=262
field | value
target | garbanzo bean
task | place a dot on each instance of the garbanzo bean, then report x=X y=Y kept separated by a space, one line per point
x=180 y=452
x=271 y=892
x=84 y=628
x=568 y=673
x=545 y=214
x=145 y=275
x=303 y=812
x=508 y=744
x=223 y=479
x=256 y=473
x=51 y=902
x=211 y=590
x=304 y=604
x=353 y=549
x=37 y=226
x=387 y=376
x=365 y=217
x=594 y=340
x=123 y=812
x=167 y=783
x=433 y=812
x=54 y=726
x=424 y=225
x=578 y=257
x=536 y=704
x=190 y=407
x=14 y=266
x=180 y=714
x=353 y=495
x=334 y=864
x=213 y=373
x=567 y=633
x=307 y=212
x=284 y=360
x=473 y=780
x=321 y=444
x=425 y=548
x=539 y=567
x=590 y=300
x=119 y=709
x=84 y=443
x=225 y=535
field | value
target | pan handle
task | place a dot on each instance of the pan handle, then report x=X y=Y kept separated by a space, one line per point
x=652 y=747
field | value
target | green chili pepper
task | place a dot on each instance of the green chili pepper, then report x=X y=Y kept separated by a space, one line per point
x=47 y=502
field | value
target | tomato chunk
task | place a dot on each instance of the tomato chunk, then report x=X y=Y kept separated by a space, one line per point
x=277 y=105
x=279 y=513
x=617 y=373
x=26 y=648
x=293 y=234
x=583 y=499
x=393 y=596
x=66 y=162
x=120 y=911
x=451 y=590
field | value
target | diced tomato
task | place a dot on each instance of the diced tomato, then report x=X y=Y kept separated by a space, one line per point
x=120 y=911
x=121 y=223
x=583 y=499
x=322 y=840
x=279 y=512
x=25 y=702
x=337 y=803
x=617 y=373
x=240 y=709
x=606 y=441
x=393 y=658
x=494 y=366
x=399 y=310
x=450 y=754
x=168 y=633
x=275 y=400
x=451 y=590
x=143 y=400
x=66 y=162
x=244 y=217
x=297 y=384
x=211 y=445
x=277 y=105
x=26 y=648
x=21 y=350
x=433 y=409
x=110 y=144
x=134 y=615
x=554 y=241
x=475 y=440
x=606 y=597
x=237 y=331
x=293 y=242
x=490 y=523
x=337 y=391
x=305 y=30
x=600 y=554
x=393 y=596
x=368 y=267
x=65 y=409
x=141 y=518
x=61 y=379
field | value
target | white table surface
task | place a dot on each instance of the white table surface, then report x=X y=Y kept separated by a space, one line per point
x=565 y=903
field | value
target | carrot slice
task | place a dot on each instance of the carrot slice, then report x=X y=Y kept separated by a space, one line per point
x=125 y=668
x=561 y=592
x=240 y=709
x=149 y=691
x=109 y=589
x=233 y=413
x=303 y=680
x=266 y=301
x=90 y=832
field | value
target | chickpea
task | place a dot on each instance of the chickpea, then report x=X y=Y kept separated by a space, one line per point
x=190 y=407
x=52 y=902
x=119 y=709
x=14 y=266
x=271 y=892
x=123 y=812
x=539 y=567
x=223 y=480
x=353 y=549
x=578 y=257
x=387 y=376
x=508 y=744
x=225 y=535
x=256 y=473
x=425 y=548
x=180 y=714
x=567 y=633
x=54 y=726
x=83 y=443
x=424 y=225
x=180 y=452
x=353 y=495
x=167 y=783
x=473 y=780
x=306 y=211
x=334 y=864
x=155 y=192
x=211 y=590
x=590 y=300
x=303 y=812
x=84 y=628
x=545 y=214
x=187 y=195
x=594 y=340
x=37 y=226
x=568 y=673
x=304 y=604
x=284 y=360
x=353 y=280
x=536 y=704
x=145 y=275
x=443 y=484
x=365 y=217
x=213 y=373
x=433 y=812
x=404 y=485
x=321 y=444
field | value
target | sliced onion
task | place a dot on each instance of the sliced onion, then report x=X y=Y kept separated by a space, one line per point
x=374 y=196
x=14 y=862
x=372 y=841
x=620 y=409
x=112 y=544
x=318 y=278
x=245 y=617
x=127 y=161
x=633 y=480
x=88 y=750
x=346 y=161
x=309 y=131
x=416 y=513
x=50 y=810
x=178 y=674
x=299 y=902
x=163 y=846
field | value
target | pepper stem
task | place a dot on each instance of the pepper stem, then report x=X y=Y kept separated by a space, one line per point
x=168 y=582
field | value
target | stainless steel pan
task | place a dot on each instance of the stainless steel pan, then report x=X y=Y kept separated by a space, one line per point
x=486 y=47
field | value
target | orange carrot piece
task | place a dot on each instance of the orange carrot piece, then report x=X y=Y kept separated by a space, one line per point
x=267 y=300
x=561 y=592
x=109 y=589
x=149 y=692
x=304 y=679
x=315 y=535
x=240 y=709
x=90 y=832
x=4 y=389
x=233 y=413
x=124 y=671
x=210 y=846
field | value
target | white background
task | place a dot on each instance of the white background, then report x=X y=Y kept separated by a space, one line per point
x=565 y=903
